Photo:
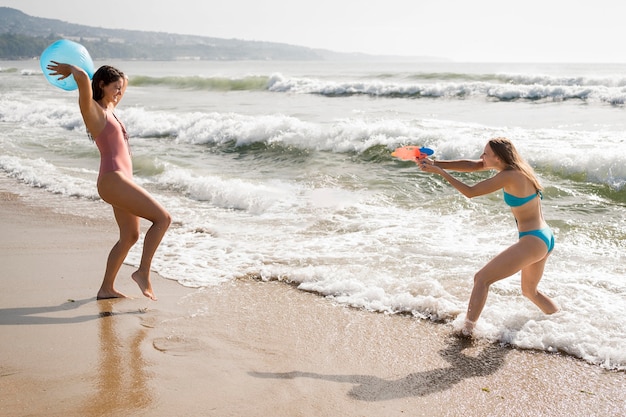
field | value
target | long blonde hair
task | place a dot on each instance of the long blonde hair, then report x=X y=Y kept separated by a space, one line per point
x=505 y=150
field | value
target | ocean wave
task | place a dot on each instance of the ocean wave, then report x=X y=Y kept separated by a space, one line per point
x=225 y=193
x=39 y=173
x=501 y=87
x=372 y=141
x=236 y=131
x=510 y=89
x=569 y=155
x=522 y=79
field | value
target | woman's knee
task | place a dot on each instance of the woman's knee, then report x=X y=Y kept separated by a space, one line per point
x=481 y=279
x=161 y=219
x=166 y=219
x=129 y=237
x=529 y=291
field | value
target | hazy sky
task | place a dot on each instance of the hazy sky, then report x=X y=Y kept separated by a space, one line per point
x=471 y=31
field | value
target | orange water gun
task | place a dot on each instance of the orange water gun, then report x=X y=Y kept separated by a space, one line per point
x=412 y=153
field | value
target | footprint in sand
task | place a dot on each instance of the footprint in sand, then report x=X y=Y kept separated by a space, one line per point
x=177 y=345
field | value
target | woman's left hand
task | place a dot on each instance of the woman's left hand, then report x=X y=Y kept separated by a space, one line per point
x=428 y=165
x=57 y=68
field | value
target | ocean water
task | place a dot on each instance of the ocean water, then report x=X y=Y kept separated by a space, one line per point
x=282 y=171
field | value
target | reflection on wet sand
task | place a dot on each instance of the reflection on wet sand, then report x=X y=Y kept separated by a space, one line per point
x=121 y=377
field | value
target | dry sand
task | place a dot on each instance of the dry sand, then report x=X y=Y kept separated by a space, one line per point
x=245 y=348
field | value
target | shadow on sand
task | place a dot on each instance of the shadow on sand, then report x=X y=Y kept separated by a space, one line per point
x=373 y=388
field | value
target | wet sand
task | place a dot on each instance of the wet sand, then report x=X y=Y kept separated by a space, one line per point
x=245 y=348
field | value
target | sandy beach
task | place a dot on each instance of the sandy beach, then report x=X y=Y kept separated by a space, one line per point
x=245 y=348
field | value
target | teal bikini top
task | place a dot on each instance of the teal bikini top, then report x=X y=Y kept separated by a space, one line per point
x=514 y=201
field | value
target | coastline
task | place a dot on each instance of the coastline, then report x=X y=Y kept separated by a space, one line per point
x=245 y=348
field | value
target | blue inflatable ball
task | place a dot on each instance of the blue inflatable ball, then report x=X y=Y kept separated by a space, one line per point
x=66 y=52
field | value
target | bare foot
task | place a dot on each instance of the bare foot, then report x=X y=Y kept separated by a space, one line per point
x=144 y=284
x=468 y=328
x=107 y=294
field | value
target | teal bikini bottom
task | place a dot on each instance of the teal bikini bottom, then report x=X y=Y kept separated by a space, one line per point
x=544 y=234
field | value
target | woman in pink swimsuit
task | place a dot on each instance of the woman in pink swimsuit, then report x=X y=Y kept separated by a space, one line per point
x=97 y=100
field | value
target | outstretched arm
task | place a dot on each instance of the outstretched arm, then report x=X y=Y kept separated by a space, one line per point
x=487 y=186
x=460 y=165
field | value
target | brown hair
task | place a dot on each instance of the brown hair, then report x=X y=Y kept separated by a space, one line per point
x=107 y=75
x=505 y=150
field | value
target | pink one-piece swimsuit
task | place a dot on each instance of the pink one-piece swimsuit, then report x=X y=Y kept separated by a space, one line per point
x=114 y=150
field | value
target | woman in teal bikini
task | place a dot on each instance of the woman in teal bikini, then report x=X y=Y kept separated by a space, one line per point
x=529 y=254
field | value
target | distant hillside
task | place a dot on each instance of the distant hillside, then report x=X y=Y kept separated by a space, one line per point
x=23 y=37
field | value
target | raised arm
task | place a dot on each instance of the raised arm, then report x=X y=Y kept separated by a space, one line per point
x=93 y=114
